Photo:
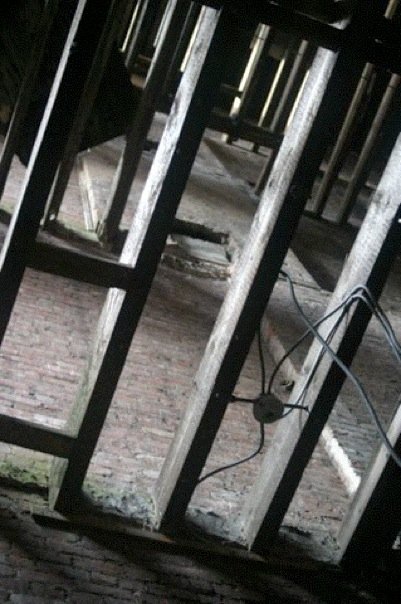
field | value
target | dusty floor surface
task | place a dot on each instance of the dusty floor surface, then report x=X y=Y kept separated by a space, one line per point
x=48 y=340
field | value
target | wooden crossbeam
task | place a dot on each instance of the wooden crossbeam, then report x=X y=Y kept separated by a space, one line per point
x=295 y=437
x=143 y=247
x=29 y=81
x=319 y=113
x=80 y=266
x=87 y=26
x=25 y=434
x=373 y=521
x=245 y=129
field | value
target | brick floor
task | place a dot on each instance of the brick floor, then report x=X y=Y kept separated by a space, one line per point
x=48 y=340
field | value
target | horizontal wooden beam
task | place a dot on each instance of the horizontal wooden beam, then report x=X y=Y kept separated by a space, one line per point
x=14 y=431
x=80 y=266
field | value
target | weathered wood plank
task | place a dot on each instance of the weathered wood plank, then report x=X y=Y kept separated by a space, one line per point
x=87 y=99
x=374 y=519
x=295 y=438
x=363 y=165
x=143 y=247
x=81 y=266
x=25 y=434
x=88 y=22
x=255 y=275
x=142 y=120
x=174 y=71
x=12 y=138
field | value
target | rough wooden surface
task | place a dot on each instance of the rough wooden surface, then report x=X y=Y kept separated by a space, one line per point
x=143 y=247
x=368 y=264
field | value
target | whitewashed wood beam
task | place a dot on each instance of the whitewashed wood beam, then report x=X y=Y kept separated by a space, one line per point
x=143 y=247
x=295 y=437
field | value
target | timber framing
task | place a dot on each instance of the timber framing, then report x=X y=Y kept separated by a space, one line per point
x=299 y=149
x=143 y=248
x=281 y=206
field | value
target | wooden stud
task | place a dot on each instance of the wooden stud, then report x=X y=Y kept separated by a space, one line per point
x=295 y=437
x=279 y=83
x=291 y=90
x=363 y=164
x=143 y=248
x=29 y=81
x=145 y=17
x=22 y=433
x=107 y=228
x=80 y=266
x=341 y=146
x=48 y=149
x=174 y=71
x=258 y=63
x=286 y=104
x=373 y=521
x=83 y=111
x=256 y=272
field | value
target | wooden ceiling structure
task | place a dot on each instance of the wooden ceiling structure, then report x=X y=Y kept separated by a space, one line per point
x=347 y=37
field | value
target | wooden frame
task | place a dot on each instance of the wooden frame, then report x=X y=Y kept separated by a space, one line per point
x=281 y=206
x=322 y=107
x=143 y=248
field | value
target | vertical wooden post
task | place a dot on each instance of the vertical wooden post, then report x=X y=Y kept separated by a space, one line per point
x=320 y=109
x=286 y=104
x=147 y=11
x=264 y=37
x=173 y=74
x=373 y=522
x=144 y=245
x=11 y=141
x=142 y=120
x=87 y=26
x=292 y=87
x=341 y=145
x=363 y=165
x=81 y=117
x=340 y=148
x=295 y=437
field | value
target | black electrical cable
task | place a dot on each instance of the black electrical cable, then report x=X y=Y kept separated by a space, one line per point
x=241 y=461
x=368 y=299
x=358 y=385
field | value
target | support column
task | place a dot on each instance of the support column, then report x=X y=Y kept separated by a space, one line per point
x=82 y=114
x=295 y=437
x=143 y=247
x=11 y=140
x=373 y=521
x=320 y=111
x=89 y=24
